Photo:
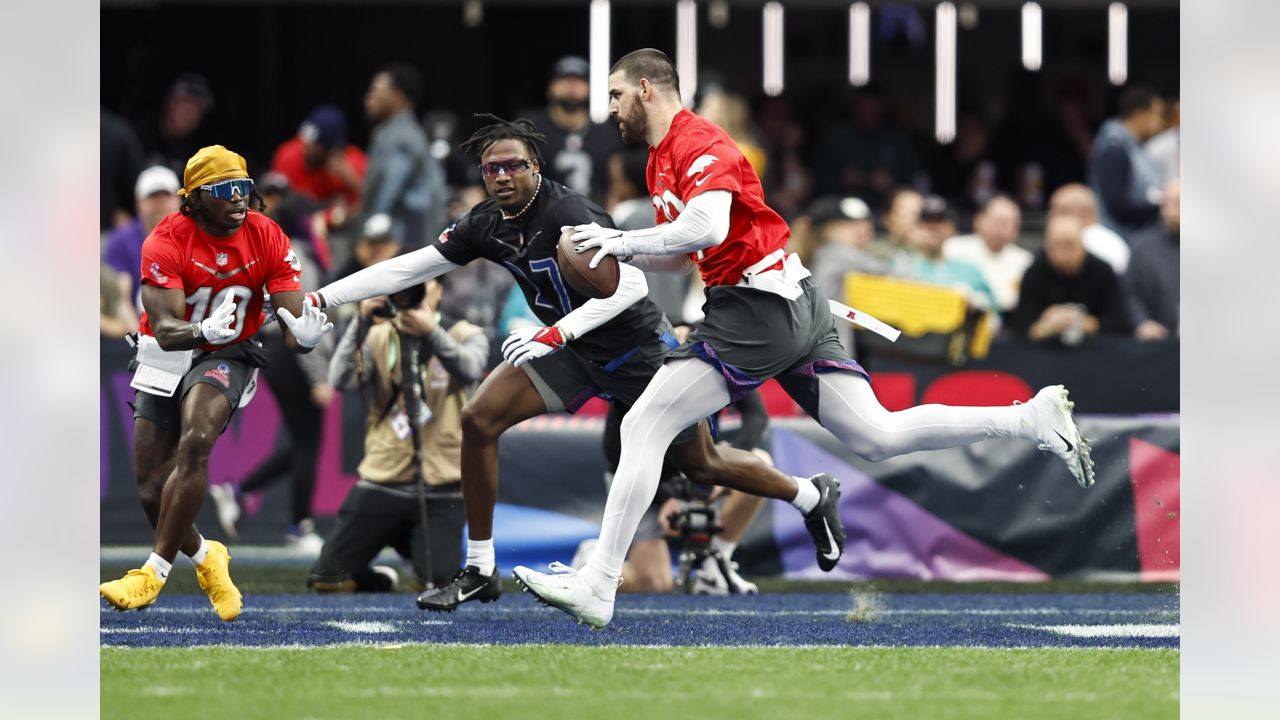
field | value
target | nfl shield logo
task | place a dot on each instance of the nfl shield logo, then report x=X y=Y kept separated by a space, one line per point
x=221 y=259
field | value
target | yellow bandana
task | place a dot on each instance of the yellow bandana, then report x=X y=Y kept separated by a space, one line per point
x=209 y=165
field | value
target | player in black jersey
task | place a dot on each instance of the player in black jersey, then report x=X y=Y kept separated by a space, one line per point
x=589 y=347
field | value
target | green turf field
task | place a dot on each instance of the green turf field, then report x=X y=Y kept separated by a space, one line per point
x=568 y=682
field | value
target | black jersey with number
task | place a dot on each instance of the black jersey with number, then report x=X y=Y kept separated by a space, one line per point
x=526 y=246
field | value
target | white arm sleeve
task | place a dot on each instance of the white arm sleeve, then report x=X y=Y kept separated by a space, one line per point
x=387 y=277
x=631 y=288
x=678 y=264
x=704 y=222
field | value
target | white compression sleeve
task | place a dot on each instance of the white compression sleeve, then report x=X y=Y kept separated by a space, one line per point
x=387 y=277
x=678 y=264
x=704 y=222
x=632 y=286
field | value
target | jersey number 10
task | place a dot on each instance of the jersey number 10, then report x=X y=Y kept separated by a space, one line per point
x=199 y=300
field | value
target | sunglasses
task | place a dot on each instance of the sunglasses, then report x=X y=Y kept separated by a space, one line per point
x=225 y=189
x=510 y=167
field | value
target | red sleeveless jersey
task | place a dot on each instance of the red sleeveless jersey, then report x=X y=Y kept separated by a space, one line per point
x=255 y=261
x=697 y=156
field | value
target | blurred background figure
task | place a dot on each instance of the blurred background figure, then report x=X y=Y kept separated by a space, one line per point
x=1068 y=294
x=730 y=111
x=1165 y=148
x=867 y=156
x=962 y=170
x=577 y=150
x=403 y=180
x=788 y=179
x=120 y=155
x=1126 y=179
x=181 y=129
x=993 y=249
x=382 y=509
x=156 y=195
x=320 y=164
x=1078 y=201
x=923 y=259
x=901 y=220
x=1152 y=283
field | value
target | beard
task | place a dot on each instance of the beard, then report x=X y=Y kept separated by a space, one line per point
x=633 y=129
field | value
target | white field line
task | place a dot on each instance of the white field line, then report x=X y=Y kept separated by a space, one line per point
x=366 y=626
x=1096 y=631
x=712 y=612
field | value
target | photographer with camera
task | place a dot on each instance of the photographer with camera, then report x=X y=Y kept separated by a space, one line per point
x=415 y=376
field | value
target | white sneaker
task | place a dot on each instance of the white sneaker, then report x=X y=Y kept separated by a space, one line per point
x=1056 y=432
x=583 y=553
x=303 y=540
x=711 y=580
x=227 y=507
x=565 y=589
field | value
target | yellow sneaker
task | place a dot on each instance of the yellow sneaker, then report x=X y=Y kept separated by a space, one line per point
x=214 y=576
x=136 y=590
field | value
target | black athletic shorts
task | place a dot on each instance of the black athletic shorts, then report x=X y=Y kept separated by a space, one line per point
x=566 y=380
x=229 y=369
x=752 y=336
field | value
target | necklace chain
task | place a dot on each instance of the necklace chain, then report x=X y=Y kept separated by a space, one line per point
x=536 y=188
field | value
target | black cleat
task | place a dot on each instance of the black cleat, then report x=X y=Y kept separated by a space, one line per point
x=467 y=585
x=823 y=521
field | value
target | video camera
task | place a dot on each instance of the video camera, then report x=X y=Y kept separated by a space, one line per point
x=695 y=523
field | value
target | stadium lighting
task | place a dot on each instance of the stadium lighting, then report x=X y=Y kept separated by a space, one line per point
x=599 y=51
x=1031 y=36
x=773 y=48
x=945 y=101
x=687 y=49
x=859 y=44
x=1118 y=43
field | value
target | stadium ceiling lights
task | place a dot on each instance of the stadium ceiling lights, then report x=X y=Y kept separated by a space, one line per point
x=599 y=52
x=687 y=49
x=1118 y=43
x=859 y=44
x=773 y=49
x=1032 y=50
x=945 y=96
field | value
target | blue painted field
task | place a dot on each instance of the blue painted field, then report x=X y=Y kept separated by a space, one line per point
x=1093 y=620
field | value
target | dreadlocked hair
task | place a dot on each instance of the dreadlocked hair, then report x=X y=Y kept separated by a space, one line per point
x=499 y=129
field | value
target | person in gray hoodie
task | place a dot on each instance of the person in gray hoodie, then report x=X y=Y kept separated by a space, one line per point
x=1125 y=179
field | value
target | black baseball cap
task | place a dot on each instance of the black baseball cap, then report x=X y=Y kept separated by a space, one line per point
x=571 y=66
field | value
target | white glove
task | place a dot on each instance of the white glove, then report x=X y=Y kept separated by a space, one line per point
x=526 y=344
x=217 y=327
x=310 y=328
x=610 y=241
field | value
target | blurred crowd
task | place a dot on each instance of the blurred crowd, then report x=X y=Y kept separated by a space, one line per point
x=1056 y=225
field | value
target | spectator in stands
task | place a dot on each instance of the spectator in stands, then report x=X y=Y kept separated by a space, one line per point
x=1124 y=177
x=962 y=170
x=1164 y=148
x=319 y=164
x=924 y=260
x=120 y=155
x=383 y=509
x=402 y=180
x=1067 y=293
x=867 y=157
x=377 y=242
x=993 y=249
x=788 y=181
x=1038 y=147
x=1078 y=201
x=842 y=229
x=577 y=150
x=730 y=112
x=901 y=221
x=116 y=316
x=1152 y=283
x=181 y=129
x=156 y=195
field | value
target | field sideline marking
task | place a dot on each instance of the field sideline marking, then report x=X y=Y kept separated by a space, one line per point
x=1095 y=631
x=410 y=645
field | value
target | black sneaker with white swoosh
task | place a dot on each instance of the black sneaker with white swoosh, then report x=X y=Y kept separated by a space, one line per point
x=823 y=521
x=467 y=585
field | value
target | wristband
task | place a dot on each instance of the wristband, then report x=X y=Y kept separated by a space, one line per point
x=195 y=330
